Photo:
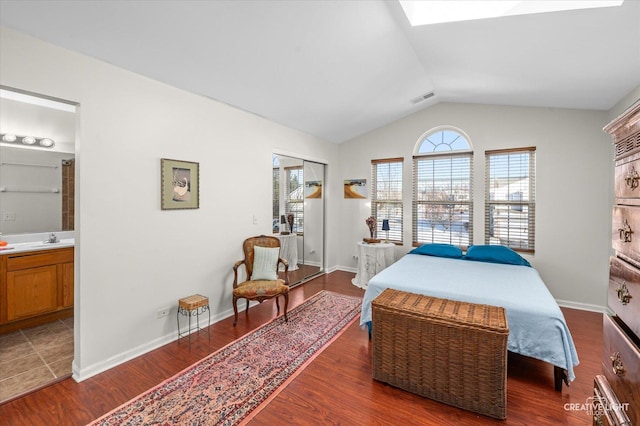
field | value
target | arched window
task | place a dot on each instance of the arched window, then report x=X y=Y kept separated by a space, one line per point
x=443 y=188
x=442 y=140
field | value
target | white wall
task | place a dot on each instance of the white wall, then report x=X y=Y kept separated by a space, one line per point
x=624 y=103
x=573 y=186
x=132 y=258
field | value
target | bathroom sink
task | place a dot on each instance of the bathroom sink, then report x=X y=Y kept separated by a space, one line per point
x=40 y=245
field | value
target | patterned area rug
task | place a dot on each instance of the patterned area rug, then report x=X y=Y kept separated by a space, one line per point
x=236 y=381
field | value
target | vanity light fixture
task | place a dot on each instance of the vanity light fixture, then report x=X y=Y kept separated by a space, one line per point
x=27 y=140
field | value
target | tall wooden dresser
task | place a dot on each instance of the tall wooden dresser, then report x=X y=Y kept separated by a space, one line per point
x=617 y=390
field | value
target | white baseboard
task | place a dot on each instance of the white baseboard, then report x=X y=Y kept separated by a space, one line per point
x=582 y=306
x=346 y=269
x=85 y=373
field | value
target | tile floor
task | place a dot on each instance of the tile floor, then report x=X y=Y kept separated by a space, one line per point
x=34 y=357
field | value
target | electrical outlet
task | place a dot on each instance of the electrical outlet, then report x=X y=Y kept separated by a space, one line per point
x=163 y=312
x=8 y=216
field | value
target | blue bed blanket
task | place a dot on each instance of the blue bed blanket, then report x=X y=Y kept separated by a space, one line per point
x=537 y=327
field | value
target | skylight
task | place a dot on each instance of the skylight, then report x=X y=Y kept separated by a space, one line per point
x=440 y=11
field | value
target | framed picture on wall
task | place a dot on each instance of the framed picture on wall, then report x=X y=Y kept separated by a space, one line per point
x=355 y=188
x=180 y=184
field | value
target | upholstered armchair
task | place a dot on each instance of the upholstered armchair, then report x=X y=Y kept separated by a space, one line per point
x=261 y=262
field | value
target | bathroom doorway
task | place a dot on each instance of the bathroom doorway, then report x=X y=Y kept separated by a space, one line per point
x=37 y=197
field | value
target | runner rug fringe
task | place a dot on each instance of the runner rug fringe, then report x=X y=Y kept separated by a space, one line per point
x=234 y=383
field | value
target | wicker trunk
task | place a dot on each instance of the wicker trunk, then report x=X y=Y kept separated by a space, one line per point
x=452 y=352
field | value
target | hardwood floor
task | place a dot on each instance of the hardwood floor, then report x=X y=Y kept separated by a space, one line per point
x=336 y=388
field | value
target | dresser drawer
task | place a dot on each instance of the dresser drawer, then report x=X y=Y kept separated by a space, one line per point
x=624 y=293
x=625 y=235
x=621 y=367
x=606 y=409
x=627 y=180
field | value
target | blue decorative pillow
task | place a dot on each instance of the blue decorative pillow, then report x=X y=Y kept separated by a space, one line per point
x=439 y=250
x=495 y=254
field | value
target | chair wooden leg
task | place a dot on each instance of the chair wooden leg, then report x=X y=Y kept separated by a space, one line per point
x=286 y=304
x=277 y=304
x=235 y=311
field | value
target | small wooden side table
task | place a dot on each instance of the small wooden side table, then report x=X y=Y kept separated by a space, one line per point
x=193 y=306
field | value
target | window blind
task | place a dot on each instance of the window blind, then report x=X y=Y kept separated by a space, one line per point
x=510 y=198
x=442 y=199
x=386 y=197
x=276 y=199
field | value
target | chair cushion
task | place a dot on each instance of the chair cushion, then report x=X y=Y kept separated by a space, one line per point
x=265 y=263
x=264 y=288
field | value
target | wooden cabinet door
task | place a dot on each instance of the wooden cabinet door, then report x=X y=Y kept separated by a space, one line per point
x=31 y=291
x=67 y=284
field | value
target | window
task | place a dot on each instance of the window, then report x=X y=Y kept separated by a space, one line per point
x=442 y=189
x=386 y=197
x=295 y=197
x=510 y=198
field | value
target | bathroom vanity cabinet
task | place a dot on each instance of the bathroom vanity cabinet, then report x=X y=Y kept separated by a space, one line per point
x=36 y=287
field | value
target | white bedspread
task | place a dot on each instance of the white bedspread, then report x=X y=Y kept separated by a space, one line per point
x=537 y=327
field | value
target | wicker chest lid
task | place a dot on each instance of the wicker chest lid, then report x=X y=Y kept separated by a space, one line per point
x=445 y=311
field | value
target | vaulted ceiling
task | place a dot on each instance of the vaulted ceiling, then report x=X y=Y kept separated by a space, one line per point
x=338 y=69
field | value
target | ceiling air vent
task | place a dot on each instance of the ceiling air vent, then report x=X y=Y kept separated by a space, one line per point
x=422 y=98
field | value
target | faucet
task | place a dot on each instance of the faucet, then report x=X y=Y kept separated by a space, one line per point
x=52 y=238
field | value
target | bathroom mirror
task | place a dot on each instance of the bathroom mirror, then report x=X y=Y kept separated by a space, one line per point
x=36 y=182
x=298 y=214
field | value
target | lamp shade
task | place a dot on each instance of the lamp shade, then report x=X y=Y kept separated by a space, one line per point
x=283 y=219
x=385 y=224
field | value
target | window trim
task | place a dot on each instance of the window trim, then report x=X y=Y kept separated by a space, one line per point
x=289 y=201
x=399 y=202
x=418 y=156
x=425 y=135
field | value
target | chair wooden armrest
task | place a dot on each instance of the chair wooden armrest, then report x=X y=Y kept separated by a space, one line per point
x=235 y=272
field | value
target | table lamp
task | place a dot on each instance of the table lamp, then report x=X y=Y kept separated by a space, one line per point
x=283 y=222
x=385 y=227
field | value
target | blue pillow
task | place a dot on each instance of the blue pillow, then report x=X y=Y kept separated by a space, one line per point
x=439 y=250
x=495 y=254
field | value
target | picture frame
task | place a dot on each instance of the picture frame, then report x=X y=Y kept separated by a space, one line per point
x=355 y=188
x=180 y=184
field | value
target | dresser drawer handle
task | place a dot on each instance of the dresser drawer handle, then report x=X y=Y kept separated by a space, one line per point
x=632 y=178
x=616 y=363
x=623 y=293
x=625 y=232
x=597 y=419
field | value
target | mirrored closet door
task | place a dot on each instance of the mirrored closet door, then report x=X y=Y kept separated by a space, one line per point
x=298 y=215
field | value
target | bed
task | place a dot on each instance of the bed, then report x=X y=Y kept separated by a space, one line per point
x=536 y=323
